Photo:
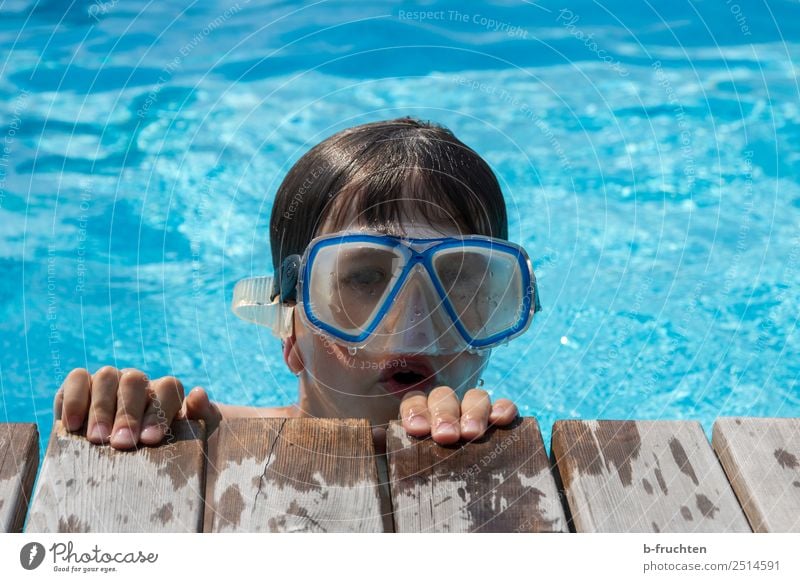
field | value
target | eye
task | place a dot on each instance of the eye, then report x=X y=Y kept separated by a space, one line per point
x=366 y=277
x=463 y=276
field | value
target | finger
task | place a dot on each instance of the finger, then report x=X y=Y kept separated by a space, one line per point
x=444 y=413
x=105 y=383
x=414 y=413
x=503 y=412
x=166 y=397
x=58 y=402
x=475 y=410
x=131 y=401
x=77 y=387
x=198 y=406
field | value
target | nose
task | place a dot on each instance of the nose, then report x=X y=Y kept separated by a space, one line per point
x=410 y=318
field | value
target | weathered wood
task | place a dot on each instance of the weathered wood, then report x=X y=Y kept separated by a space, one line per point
x=94 y=488
x=643 y=476
x=761 y=457
x=296 y=474
x=499 y=483
x=19 y=459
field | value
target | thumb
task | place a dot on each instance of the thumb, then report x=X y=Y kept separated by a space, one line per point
x=199 y=407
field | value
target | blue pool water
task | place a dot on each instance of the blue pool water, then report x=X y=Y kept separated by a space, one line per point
x=648 y=154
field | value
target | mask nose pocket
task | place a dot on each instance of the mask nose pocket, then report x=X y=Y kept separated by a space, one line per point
x=416 y=321
x=410 y=315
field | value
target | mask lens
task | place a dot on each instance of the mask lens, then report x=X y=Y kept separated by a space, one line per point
x=349 y=282
x=483 y=286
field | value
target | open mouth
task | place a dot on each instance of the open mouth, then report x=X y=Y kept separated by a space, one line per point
x=408 y=375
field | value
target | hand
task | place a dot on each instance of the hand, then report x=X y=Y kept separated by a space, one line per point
x=440 y=414
x=124 y=407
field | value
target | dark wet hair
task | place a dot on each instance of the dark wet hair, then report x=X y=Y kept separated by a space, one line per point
x=382 y=171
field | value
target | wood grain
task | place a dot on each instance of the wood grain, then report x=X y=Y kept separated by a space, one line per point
x=761 y=457
x=500 y=483
x=19 y=459
x=94 y=488
x=292 y=475
x=643 y=476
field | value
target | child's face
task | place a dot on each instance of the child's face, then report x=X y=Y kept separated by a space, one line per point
x=368 y=385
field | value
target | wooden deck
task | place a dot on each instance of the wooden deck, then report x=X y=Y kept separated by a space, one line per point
x=282 y=475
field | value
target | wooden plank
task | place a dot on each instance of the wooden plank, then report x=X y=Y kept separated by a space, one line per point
x=643 y=476
x=761 y=457
x=19 y=459
x=499 y=483
x=94 y=488
x=292 y=475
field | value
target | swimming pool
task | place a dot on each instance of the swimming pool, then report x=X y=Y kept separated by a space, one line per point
x=648 y=157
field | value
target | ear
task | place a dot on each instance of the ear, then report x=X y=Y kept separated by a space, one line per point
x=291 y=353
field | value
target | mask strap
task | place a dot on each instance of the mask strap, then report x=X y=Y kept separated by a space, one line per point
x=285 y=283
x=251 y=304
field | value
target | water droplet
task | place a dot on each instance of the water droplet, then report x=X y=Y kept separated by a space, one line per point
x=564 y=340
x=352 y=350
x=480 y=382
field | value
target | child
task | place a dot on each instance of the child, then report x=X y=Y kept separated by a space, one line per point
x=372 y=320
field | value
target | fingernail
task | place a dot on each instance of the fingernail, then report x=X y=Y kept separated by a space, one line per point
x=418 y=422
x=123 y=438
x=499 y=410
x=73 y=422
x=446 y=429
x=472 y=426
x=100 y=432
x=151 y=434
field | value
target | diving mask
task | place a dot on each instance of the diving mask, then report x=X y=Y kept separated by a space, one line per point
x=394 y=294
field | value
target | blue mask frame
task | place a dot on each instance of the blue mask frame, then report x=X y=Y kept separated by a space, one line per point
x=416 y=251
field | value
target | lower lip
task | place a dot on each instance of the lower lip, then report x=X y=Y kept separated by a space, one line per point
x=400 y=389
